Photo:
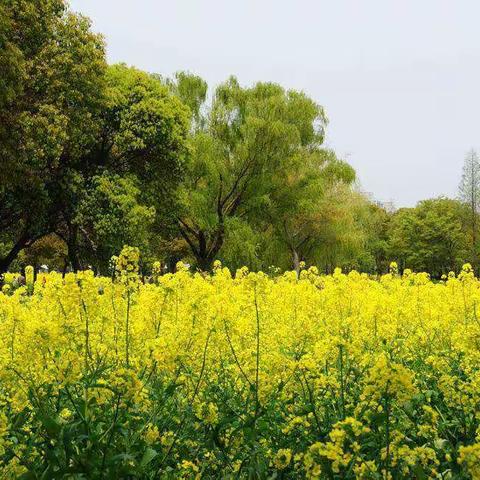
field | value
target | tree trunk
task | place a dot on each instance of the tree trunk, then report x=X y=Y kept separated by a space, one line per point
x=204 y=247
x=208 y=249
x=72 y=245
x=204 y=255
x=6 y=261
x=204 y=263
x=296 y=261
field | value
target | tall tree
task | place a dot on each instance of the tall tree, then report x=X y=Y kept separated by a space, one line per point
x=140 y=142
x=247 y=137
x=306 y=201
x=69 y=126
x=53 y=93
x=469 y=192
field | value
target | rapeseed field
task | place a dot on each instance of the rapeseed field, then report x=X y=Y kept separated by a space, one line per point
x=239 y=375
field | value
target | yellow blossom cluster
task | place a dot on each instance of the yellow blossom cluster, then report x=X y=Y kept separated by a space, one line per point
x=239 y=375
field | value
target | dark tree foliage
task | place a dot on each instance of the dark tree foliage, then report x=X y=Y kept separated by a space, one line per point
x=53 y=93
x=66 y=119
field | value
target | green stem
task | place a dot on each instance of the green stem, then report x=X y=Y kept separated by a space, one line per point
x=127 y=330
x=257 y=365
x=387 y=435
x=342 y=382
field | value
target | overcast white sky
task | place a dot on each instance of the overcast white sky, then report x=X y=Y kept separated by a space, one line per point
x=399 y=79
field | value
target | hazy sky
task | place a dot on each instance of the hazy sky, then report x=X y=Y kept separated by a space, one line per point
x=399 y=79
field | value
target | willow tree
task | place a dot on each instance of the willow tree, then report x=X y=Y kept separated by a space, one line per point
x=247 y=138
x=307 y=204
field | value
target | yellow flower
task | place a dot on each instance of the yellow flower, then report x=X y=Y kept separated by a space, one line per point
x=469 y=456
x=29 y=275
x=347 y=355
x=282 y=458
x=208 y=412
x=151 y=434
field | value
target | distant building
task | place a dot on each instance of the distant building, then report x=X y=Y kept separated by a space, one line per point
x=388 y=205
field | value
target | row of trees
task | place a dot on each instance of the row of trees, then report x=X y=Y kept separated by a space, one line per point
x=94 y=156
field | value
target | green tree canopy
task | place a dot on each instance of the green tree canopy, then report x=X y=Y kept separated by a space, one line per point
x=132 y=169
x=306 y=202
x=111 y=215
x=66 y=120
x=56 y=67
x=247 y=138
x=430 y=237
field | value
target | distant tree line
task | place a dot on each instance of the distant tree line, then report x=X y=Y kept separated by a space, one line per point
x=94 y=156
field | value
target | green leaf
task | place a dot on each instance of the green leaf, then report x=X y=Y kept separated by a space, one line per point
x=27 y=476
x=52 y=426
x=419 y=473
x=148 y=456
x=440 y=443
